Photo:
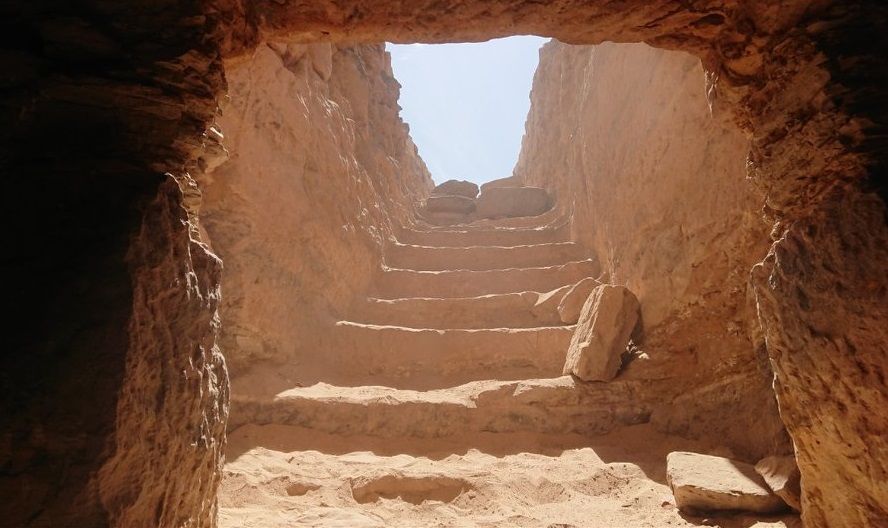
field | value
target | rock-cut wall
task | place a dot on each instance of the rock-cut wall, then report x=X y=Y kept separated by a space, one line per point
x=623 y=136
x=321 y=171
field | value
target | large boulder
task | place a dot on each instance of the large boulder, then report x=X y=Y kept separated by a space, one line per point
x=456 y=188
x=705 y=483
x=573 y=301
x=608 y=317
x=503 y=202
x=450 y=204
x=781 y=474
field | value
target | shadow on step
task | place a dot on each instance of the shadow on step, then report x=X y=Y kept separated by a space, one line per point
x=639 y=445
x=287 y=439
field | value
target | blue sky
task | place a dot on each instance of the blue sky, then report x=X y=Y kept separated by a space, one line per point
x=466 y=103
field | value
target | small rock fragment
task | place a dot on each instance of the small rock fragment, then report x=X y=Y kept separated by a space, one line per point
x=704 y=483
x=572 y=303
x=605 y=324
x=781 y=474
x=456 y=188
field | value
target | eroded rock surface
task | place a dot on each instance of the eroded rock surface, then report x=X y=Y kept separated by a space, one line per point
x=688 y=255
x=114 y=393
x=657 y=185
x=318 y=125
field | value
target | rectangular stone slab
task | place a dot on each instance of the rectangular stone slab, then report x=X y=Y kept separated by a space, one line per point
x=702 y=483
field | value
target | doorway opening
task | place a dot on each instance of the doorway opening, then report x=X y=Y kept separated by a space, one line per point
x=466 y=104
x=377 y=355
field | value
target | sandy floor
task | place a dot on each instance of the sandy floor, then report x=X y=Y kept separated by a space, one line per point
x=279 y=476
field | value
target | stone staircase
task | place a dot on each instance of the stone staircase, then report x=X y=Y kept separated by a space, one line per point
x=459 y=344
x=461 y=320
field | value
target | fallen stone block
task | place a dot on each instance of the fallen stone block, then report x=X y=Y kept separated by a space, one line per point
x=510 y=181
x=781 y=474
x=606 y=321
x=705 y=483
x=572 y=303
x=508 y=202
x=456 y=188
x=450 y=204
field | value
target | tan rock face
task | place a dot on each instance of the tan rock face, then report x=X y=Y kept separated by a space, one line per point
x=606 y=321
x=504 y=202
x=339 y=174
x=623 y=136
x=456 y=187
x=797 y=296
x=152 y=408
x=688 y=254
x=781 y=474
x=704 y=483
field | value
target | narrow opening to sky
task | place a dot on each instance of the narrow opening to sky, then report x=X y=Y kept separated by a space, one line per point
x=466 y=103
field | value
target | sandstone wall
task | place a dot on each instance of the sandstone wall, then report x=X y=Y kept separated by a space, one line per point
x=321 y=170
x=623 y=136
x=113 y=393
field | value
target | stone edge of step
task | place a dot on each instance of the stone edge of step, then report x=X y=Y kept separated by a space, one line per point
x=499 y=330
x=556 y=267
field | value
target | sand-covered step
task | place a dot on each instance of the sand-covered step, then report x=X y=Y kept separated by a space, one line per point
x=278 y=475
x=431 y=258
x=504 y=236
x=397 y=283
x=559 y=405
x=552 y=217
x=425 y=358
x=501 y=310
